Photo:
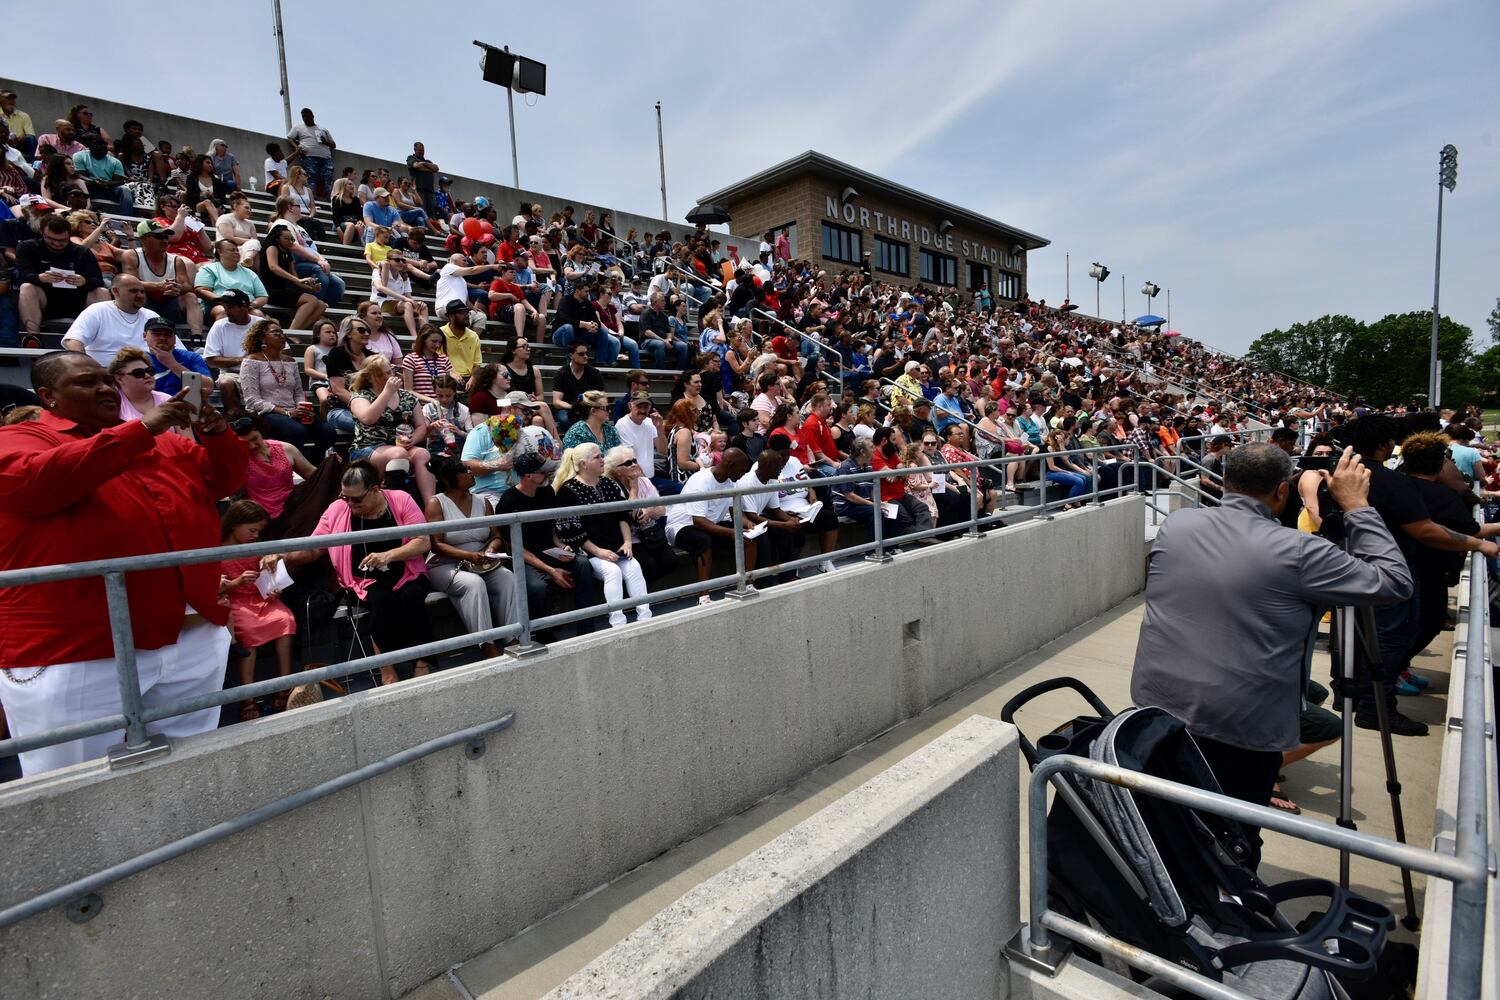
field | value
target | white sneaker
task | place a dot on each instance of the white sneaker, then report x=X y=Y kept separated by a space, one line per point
x=706 y=599
x=826 y=565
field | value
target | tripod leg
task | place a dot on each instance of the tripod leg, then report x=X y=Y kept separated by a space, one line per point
x=1343 y=631
x=1392 y=782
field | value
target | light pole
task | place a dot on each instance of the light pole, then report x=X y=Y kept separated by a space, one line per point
x=286 y=94
x=1098 y=272
x=661 y=159
x=1150 y=289
x=1447 y=178
x=506 y=69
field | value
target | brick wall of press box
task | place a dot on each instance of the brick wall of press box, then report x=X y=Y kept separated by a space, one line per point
x=895 y=256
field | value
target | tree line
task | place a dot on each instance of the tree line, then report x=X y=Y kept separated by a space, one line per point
x=1386 y=362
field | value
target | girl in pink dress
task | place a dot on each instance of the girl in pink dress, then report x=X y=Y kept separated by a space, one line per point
x=254 y=620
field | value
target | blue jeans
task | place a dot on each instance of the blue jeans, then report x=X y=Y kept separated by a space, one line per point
x=415 y=217
x=666 y=486
x=890 y=527
x=330 y=286
x=121 y=196
x=313 y=439
x=605 y=347
x=1076 y=482
x=319 y=174
x=657 y=348
x=341 y=420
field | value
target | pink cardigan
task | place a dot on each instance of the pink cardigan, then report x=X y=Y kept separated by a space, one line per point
x=336 y=520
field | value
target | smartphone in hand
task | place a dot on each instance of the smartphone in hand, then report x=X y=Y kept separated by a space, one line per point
x=195 y=384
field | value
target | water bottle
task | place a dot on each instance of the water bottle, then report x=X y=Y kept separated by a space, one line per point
x=252 y=184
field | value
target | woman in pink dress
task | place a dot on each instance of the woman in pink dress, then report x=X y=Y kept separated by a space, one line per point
x=254 y=619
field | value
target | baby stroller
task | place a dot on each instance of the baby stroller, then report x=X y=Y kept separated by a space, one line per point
x=1172 y=880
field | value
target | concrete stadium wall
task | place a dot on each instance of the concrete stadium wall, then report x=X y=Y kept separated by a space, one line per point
x=625 y=745
x=46 y=104
x=905 y=887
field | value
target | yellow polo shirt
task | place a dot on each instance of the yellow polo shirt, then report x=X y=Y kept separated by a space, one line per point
x=20 y=123
x=463 y=352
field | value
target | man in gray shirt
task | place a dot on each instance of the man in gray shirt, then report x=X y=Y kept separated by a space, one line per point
x=316 y=146
x=1232 y=605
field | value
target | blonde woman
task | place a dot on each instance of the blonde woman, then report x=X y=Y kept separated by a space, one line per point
x=606 y=539
x=300 y=191
x=389 y=423
x=348 y=210
x=647 y=532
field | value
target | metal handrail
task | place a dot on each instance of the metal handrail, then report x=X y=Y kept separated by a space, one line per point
x=1467 y=868
x=134 y=717
x=82 y=887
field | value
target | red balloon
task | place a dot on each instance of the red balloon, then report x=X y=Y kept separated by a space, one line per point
x=486 y=228
x=487 y=239
x=472 y=228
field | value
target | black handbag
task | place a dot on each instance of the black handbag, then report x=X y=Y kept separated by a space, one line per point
x=654 y=535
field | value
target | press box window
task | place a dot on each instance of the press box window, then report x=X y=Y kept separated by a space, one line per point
x=978 y=275
x=841 y=245
x=939 y=268
x=1007 y=285
x=892 y=257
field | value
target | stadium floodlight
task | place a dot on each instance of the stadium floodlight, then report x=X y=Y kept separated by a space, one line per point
x=1447 y=178
x=1098 y=272
x=1150 y=289
x=515 y=73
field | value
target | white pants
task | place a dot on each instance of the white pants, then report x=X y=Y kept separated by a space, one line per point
x=617 y=578
x=483 y=600
x=68 y=693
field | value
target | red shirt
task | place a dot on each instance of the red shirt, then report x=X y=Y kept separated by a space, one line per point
x=508 y=287
x=67 y=496
x=814 y=435
x=892 y=488
x=506 y=251
x=783 y=349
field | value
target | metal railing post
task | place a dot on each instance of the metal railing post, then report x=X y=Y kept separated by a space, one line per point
x=525 y=645
x=974 y=488
x=1094 y=479
x=742 y=588
x=139 y=745
x=877 y=524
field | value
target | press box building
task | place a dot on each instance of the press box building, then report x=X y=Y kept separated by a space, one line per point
x=838 y=213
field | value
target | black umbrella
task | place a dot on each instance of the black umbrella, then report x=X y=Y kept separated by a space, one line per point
x=708 y=215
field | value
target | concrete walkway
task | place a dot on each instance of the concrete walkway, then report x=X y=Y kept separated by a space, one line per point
x=1100 y=653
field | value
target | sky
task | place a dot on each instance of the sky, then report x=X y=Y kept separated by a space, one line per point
x=1268 y=163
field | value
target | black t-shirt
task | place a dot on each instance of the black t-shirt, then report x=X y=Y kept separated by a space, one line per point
x=338 y=363
x=1398 y=501
x=535 y=535
x=1446 y=508
x=572 y=388
x=421 y=178
x=359 y=550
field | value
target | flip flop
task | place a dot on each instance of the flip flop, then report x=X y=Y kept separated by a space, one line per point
x=1284 y=804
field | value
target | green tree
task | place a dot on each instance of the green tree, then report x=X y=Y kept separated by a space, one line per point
x=1386 y=361
x=1493 y=322
x=1484 y=375
x=1308 y=351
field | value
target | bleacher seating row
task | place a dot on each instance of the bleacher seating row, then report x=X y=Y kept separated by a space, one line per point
x=348 y=263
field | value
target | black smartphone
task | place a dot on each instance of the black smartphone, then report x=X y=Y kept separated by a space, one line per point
x=1322 y=463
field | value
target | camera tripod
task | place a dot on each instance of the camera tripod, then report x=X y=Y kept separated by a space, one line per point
x=1354 y=633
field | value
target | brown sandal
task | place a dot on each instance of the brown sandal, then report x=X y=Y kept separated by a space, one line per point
x=249 y=709
x=278 y=701
x=1279 y=801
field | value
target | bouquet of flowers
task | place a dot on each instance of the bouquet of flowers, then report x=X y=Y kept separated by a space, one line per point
x=505 y=431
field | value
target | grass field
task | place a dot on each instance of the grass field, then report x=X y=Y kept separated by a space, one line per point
x=1491 y=419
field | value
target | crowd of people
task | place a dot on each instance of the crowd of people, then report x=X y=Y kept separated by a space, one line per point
x=785 y=371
